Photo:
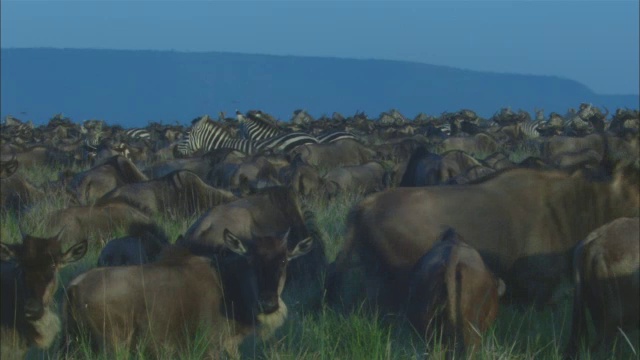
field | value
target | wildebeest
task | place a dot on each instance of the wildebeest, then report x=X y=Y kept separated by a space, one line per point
x=365 y=178
x=15 y=191
x=180 y=193
x=90 y=185
x=270 y=211
x=607 y=282
x=143 y=244
x=453 y=294
x=82 y=222
x=29 y=282
x=162 y=305
x=480 y=143
x=341 y=152
x=425 y=168
x=523 y=222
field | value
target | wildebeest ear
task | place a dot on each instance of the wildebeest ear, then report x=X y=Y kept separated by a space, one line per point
x=75 y=253
x=234 y=243
x=301 y=248
x=6 y=254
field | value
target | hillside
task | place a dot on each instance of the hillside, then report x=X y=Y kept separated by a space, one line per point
x=134 y=87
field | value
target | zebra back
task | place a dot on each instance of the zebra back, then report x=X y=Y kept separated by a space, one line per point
x=285 y=142
x=206 y=135
x=254 y=127
x=332 y=136
x=530 y=128
x=138 y=133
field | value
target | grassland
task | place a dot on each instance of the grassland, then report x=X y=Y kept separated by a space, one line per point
x=324 y=333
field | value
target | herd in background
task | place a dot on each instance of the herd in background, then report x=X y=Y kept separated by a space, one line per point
x=459 y=212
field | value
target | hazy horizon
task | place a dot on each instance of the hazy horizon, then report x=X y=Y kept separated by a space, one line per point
x=592 y=42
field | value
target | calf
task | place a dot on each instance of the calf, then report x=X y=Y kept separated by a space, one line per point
x=28 y=271
x=453 y=294
x=162 y=305
x=607 y=279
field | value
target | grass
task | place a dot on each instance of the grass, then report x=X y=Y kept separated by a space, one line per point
x=325 y=333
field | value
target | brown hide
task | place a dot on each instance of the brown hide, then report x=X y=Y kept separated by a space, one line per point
x=607 y=280
x=16 y=192
x=88 y=186
x=271 y=210
x=453 y=294
x=524 y=223
x=341 y=152
x=364 y=178
x=162 y=306
x=29 y=281
x=81 y=222
x=477 y=144
x=180 y=193
x=498 y=161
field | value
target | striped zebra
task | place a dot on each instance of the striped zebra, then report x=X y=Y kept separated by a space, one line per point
x=138 y=133
x=529 y=129
x=182 y=146
x=206 y=135
x=286 y=142
x=332 y=136
x=255 y=127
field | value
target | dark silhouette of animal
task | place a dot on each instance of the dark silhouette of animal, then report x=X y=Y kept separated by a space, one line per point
x=426 y=169
x=523 y=222
x=607 y=283
x=143 y=244
x=160 y=306
x=453 y=296
x=29 y=282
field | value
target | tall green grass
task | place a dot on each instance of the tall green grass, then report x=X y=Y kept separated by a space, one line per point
x=323 y=333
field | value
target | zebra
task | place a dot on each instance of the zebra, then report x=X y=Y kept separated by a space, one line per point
x=332 y=136
x=286 y=142
x=206 y=134
x=529 y=129
x=255 y=127
x=182 y=146
x=138 y=133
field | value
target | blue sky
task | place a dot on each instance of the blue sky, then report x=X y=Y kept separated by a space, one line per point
x=594 y=42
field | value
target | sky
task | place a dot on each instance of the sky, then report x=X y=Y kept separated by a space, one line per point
x=593 y=42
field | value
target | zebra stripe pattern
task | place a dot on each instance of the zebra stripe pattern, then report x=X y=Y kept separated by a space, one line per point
x=256 y=128
x=138 y=133
x=286 y=142
x=332 y=136
x=206 y=135
x=530 y=128
x=182 y=146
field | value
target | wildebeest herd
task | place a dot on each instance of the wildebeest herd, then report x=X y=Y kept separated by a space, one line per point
x=458 y=215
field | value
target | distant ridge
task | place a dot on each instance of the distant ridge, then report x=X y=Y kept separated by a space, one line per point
x=131 y=88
